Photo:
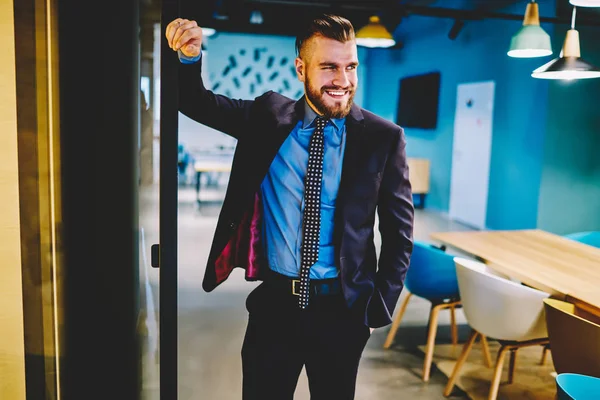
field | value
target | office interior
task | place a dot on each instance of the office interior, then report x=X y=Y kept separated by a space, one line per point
x=98 y=166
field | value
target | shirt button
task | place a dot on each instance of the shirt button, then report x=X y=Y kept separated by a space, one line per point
x=232 y=225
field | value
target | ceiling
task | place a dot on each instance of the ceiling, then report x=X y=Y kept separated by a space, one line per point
x=284 y=17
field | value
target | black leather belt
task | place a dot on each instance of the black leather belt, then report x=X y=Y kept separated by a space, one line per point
x=318 y=287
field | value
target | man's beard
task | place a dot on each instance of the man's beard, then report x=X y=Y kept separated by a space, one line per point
x=337 y=111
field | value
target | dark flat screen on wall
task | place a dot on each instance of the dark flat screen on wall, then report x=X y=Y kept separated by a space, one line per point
x=418 y=101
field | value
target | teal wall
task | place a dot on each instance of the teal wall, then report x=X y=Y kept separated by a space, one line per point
x=570 y=189
x=478 y=54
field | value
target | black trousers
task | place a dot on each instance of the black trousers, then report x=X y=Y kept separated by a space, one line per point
x=280 y=339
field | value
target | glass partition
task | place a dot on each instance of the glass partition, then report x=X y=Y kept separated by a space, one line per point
x=149 y=206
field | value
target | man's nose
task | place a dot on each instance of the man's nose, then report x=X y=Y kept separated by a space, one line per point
x=341 y=79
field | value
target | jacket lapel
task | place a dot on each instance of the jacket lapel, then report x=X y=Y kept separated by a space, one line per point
x=287 y=117
x=354 y=144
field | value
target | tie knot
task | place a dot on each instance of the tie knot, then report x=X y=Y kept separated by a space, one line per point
x=321 y=122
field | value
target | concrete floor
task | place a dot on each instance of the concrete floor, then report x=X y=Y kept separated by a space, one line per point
x=212 y=325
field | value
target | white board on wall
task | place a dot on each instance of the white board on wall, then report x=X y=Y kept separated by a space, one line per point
x=471 y=153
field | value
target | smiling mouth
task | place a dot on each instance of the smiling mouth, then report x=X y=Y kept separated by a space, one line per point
x=337 y=94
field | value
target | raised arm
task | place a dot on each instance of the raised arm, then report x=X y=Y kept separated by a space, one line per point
x=229 y=116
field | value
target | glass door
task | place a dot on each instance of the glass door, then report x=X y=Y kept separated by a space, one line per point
x=149 y=198
x=158 y=185
x=90 y=161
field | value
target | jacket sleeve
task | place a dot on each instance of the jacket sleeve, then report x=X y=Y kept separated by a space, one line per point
x=396 y=216
x=229 y=116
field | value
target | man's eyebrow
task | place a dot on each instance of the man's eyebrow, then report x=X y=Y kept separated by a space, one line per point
x=331 y=63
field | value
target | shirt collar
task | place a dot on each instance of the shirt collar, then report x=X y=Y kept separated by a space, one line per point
x=310 y=115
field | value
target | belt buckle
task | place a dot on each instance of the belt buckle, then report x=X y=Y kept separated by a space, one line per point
x=294 y=291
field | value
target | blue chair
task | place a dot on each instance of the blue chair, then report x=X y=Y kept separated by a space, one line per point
x=431 y=276
x=591 y=238
x=577 y=387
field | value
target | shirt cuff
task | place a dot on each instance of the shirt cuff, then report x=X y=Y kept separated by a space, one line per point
x=188 y=60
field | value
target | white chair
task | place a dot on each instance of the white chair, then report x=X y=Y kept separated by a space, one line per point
x=496 y=307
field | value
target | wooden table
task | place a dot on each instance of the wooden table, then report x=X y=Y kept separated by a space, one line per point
x=564 y=268
x=215 y=164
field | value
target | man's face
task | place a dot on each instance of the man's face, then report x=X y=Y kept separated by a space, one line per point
x=328 y=69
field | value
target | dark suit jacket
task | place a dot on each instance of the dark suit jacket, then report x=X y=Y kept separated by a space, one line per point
x=374 y=177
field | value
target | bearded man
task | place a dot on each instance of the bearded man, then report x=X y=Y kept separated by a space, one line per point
x=307 y=180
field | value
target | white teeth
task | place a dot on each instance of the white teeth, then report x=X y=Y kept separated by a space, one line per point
x=337 y=93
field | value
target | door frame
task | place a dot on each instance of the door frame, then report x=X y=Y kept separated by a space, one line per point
x=168 y=192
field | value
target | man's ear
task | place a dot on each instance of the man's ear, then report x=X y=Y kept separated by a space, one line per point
x=300 y=69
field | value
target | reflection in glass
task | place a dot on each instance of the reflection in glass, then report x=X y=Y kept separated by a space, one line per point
x=148 y=143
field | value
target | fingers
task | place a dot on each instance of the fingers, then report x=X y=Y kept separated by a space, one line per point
x=186 y=32
x=187 y=35
x=177 y=28
x=171 y=30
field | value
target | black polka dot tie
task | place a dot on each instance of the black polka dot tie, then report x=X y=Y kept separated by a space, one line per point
x=311 y=223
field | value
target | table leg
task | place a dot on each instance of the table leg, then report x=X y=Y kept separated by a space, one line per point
x=198 y=175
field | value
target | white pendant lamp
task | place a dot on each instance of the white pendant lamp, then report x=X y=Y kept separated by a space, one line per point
x=208 y=32
x=585 y=3
x=569 y=65
x=531 y=40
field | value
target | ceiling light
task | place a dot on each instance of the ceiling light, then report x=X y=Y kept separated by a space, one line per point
x=531 y=40
x=585 y=3
x=569 y=65
x=256 y=17
x=374 y=34
x=207 y=32
x=221 y=13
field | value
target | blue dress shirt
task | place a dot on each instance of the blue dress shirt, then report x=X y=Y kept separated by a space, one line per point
x=283 y=198
x=283 y=195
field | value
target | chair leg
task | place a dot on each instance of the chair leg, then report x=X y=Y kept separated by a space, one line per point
x=453 y=327
x=459 y=363
x=392 y=333
x=433 y=323
x=511 y=365
x=497 y=373
x=486 y=352
x=544 y=354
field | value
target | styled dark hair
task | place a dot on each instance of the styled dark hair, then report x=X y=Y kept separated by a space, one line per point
x=326 y=25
